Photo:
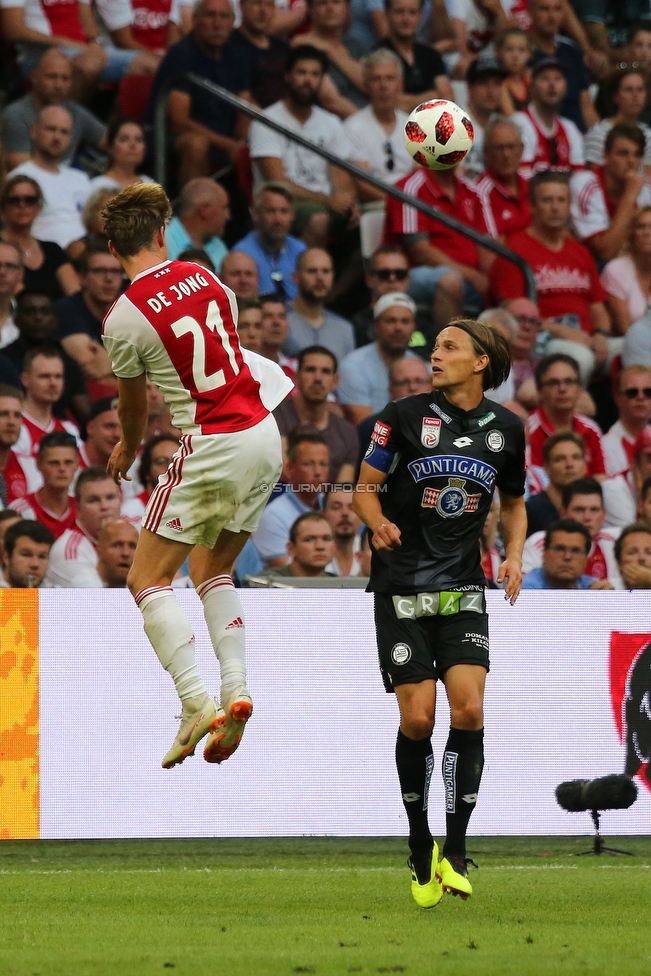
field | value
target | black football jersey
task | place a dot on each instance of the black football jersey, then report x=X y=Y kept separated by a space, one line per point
x=443 y=465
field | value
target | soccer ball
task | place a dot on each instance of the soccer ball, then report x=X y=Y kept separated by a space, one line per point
x=438 y=134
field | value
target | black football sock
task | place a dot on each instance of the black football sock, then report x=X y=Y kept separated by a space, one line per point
x=415 y=761
x=463 y=762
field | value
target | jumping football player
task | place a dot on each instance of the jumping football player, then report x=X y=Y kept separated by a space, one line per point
x=176 y=325
x=425 y=489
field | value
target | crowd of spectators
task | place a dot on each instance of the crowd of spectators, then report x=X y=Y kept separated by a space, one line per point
x=342 y=285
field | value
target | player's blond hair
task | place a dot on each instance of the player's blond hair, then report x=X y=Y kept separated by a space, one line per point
x=132 y=218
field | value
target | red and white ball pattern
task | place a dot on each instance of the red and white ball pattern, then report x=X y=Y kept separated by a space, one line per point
x=438 y=134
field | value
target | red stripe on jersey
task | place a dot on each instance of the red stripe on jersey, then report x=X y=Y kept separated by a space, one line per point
x=162 y=491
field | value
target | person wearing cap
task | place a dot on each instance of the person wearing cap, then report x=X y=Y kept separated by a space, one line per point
x=80 y=316
x=622 y=493
x=484 y=79
x=310 y=322
x=551 y=141
x=503 y=191
x=364 y=374
x=547 y=16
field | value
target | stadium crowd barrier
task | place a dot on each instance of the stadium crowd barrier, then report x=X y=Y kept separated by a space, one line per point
x=86 y=713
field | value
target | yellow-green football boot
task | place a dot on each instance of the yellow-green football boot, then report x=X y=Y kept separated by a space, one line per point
x=429 y=894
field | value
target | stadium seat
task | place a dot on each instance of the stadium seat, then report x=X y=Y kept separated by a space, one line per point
x=133 y=96
x=371 y=227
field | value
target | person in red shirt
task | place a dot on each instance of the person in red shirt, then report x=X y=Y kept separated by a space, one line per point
x=51 y=505
x=570 y=295
x=503 y=191
x=559 y=387
x=442 y=257
x=18 y=476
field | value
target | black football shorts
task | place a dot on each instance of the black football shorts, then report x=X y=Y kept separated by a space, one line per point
x=413 y=648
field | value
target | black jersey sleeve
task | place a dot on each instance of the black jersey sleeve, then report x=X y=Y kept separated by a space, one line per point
x=386 y=440
x=511 y=478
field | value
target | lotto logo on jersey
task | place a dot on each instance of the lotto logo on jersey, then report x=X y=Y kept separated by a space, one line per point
x=451 y=501
x=430 y=432
x=381 y=434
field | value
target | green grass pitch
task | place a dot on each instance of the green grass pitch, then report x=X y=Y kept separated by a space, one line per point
x=278 y=907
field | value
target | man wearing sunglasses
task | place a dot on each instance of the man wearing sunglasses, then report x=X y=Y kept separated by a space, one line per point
x=389 y=272
x=551 y=142
x=633 y=399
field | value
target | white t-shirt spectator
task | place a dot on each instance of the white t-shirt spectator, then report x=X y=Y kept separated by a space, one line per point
x=73 y=560
x=615 y=444
x=594 y=142
x=591 y=213
x=620 y=279
x=385 y=156
x=301 y=166
x=104 y=182
x=620 y=500
x=65 y=194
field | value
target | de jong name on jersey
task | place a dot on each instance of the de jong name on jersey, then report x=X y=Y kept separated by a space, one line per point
x=443 y=465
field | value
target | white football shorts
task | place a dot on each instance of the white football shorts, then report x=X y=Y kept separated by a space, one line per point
x=215 y=482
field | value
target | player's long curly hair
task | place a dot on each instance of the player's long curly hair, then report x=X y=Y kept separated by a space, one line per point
x=132 y=218
x=488 y=342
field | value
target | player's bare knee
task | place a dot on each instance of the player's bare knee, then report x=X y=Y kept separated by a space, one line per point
x=469 y=715
x=418 y=726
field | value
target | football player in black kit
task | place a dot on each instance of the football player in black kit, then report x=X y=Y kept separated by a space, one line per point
x=424 y=491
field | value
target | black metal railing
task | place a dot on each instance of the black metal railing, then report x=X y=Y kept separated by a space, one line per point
x=160 y=144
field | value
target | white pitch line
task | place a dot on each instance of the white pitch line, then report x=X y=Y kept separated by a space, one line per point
x=487 y=868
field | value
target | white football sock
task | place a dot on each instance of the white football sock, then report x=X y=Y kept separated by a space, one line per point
x=225 y=618
x=170 y=633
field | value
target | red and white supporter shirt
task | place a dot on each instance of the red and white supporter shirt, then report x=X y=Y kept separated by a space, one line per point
x=467 y=207
x=21 y=477
x=32 y=431
x=540 y=429
x=30 y=508
x=133 y=509
x=601 y=558
x=620 y=499
x=559 y=148
x=148 y=19
x=177 y=321
x=505 y=212
x=73 y=560
x=592 y=209
x=619 y=449
x=568 y=280
x=54 y=18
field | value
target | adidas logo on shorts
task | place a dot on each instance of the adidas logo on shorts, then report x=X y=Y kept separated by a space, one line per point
x=238 y=622
x=174 y=524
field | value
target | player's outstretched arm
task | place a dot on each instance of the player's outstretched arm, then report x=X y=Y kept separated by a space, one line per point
x=367 y=505
x=132 y=411
x=513 y=526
